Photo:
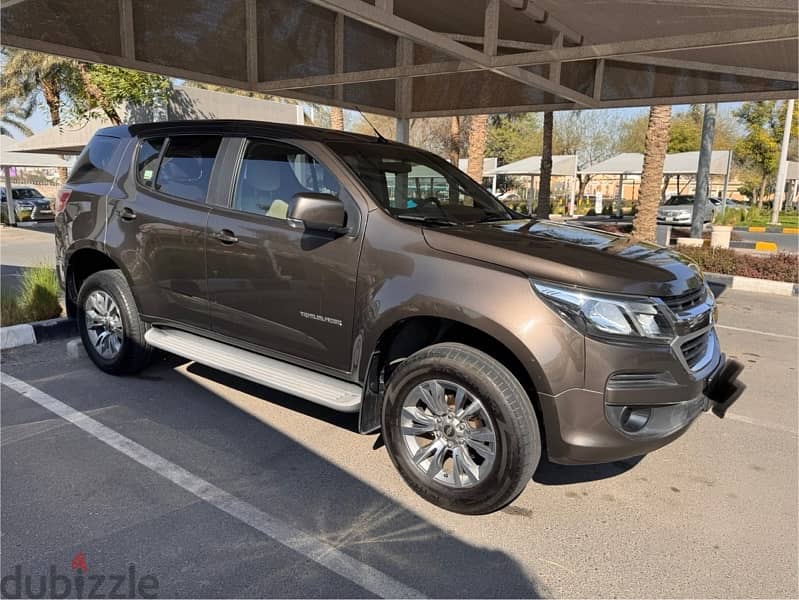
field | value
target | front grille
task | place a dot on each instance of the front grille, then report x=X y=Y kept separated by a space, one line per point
x=686 y=301
x=694 y=349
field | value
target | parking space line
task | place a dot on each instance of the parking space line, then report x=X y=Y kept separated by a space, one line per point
x=763 y=424
x=322 y=553
x=779 y=335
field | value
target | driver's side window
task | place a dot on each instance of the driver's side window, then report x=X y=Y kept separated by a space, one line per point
x=271 y=173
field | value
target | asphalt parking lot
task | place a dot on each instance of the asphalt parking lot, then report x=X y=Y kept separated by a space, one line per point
x=221 y=488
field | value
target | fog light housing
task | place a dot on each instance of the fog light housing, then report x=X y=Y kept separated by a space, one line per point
x=634 y=419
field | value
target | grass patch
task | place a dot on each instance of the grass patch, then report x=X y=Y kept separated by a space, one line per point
x=782 y=266
x=36 y=299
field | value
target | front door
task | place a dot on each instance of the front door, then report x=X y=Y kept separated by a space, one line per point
x=274 y=286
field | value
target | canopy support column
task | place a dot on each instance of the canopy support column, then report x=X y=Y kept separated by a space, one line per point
x=12 y=215
x=703 y=171
x=782 y=169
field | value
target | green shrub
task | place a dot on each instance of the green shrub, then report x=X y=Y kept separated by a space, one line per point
x=782 y=266
x=36 y=300
x=731 y=217
x=11 y=312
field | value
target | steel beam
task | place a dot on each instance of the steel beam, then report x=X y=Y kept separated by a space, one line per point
x=365 y=13
x=692 y=41
x=126 y=33
x=251 y=23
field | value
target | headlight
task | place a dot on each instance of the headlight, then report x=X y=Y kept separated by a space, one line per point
x=606 y=316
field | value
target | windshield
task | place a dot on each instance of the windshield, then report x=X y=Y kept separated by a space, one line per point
x=680 y=200
x=26 y=194
x=416 y=185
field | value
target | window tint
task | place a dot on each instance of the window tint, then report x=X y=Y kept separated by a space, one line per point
x=94 y=163
x=22 y=194
x=186 y=167
x=271 y=173
x=147 y=160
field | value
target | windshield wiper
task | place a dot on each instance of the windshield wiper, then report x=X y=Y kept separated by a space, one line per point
x=430 y=220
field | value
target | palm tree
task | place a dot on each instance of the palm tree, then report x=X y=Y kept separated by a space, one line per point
x=13 y=117
x=26 y=74
x=454 y=140
x=478 y=132
x=546 y=168
x=336 y=118
x=657 y=141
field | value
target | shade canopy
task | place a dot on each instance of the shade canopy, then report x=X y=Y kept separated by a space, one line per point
x=680 y=163
x=9 y=157
x=184 y=103
x=414 y=58
x=562 y=165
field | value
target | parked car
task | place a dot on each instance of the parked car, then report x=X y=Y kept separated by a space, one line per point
x=476 y=341
x=29 y=203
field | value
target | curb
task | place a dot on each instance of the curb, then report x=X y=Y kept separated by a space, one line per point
x=37 y=332
x=751 y=284
x=762 y=246
x=767 y=229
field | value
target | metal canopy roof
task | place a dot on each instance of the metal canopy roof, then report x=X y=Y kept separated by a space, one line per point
x=562 y=165
x=680 y=163
x=10 y=158
x=414 y=58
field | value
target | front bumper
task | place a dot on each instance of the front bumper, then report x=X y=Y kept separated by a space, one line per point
x=639 y=410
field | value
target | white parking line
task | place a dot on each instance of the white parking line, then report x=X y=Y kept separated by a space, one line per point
x=361 y=574
x=779 y=335
x=763 y=424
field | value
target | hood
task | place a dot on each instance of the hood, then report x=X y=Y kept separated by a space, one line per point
x=572 y=255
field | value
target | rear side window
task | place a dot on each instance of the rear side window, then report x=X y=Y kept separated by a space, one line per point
x=147 y=160
x=95 y=163
x=185 y=169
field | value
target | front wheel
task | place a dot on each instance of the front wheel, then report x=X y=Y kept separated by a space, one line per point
x=460 y=429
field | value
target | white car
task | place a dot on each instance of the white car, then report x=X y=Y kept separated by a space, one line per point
x=678 y=210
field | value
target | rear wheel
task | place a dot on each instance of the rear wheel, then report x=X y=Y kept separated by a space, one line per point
x=460 y=429
x=109 y=324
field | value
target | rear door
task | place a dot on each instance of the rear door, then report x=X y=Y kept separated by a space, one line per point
x=274 y=286
x=158 y=227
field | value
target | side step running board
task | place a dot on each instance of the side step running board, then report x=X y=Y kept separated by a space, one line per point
x=321 y=389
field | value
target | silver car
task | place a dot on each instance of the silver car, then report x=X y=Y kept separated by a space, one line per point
x=678 y=209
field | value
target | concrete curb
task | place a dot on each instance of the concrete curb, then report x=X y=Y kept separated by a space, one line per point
x=34 y=333
x=767 y=229
x=751 y=284
x=761 y=246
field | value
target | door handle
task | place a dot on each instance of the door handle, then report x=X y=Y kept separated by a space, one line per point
x=226 y=237
x=127 y=214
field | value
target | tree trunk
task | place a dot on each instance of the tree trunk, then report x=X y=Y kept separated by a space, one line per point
x=657 y=139
x=97 y=95
x=478 y=129
x=454 y=140
x=700 y=207
x=665 y=188
x=761 y=195
x=336 y=118
x=546 y=169
x=584 y=180
x=50 y=91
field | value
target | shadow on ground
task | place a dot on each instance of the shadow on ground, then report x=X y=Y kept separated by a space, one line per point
x=188 y=423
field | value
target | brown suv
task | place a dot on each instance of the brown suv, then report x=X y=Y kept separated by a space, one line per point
x=373 y=277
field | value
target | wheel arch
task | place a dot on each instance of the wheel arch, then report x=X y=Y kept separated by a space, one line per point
x=82 y=263
x=410 y=334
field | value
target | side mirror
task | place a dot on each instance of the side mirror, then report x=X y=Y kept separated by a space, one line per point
x=317 y=212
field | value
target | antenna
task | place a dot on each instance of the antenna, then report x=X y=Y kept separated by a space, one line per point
x=380 y=137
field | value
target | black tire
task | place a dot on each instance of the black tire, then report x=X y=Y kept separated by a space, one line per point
x=518 y=442
x=134 y=353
